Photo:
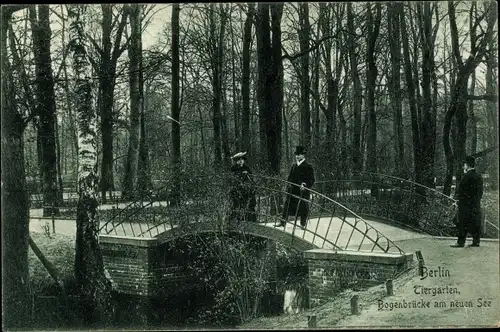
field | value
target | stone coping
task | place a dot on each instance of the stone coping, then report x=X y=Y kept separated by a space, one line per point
x=357 y=256
x=127 y=240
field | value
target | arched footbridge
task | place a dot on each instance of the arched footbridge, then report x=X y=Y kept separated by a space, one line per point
x=339 y=244
x=330 y=224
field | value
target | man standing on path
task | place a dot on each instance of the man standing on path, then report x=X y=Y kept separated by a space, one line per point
x=469 y=194
x=302 y=175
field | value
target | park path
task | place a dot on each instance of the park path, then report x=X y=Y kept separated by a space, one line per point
x=473 y=271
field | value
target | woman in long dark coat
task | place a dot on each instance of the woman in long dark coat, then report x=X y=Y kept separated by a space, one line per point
x=242 y=190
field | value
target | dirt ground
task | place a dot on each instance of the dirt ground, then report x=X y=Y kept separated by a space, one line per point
x=474 y=272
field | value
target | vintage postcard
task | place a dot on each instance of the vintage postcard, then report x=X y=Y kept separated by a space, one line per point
x=297 y=165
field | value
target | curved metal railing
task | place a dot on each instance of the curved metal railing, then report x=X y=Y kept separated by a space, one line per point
x=329 y=223
x=401 y=201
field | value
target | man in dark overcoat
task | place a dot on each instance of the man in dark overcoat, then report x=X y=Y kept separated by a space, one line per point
x=469 y=194
x=301 y=177
x=242 y=190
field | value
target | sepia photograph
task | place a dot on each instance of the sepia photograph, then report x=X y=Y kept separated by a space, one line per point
x=249 y=166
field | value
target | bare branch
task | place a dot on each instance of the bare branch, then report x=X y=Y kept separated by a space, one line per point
x=492 y=98
x=454 y=34
x=95 y=44
x=317 y=43
x=117 y=51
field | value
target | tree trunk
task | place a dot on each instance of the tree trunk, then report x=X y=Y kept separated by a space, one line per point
x=427 y=124
x=175 y=107
x=411 y=93
x=357 y=92
x=223 y=87
x=315 y=87
x=395 y=87
x=15 y=204
x=264 y=56
x=95 y=288
x=473 y=121
x=245 y=80
x=144 y=173
x=276 y=107
x=492 y=109
x=69 y=106
x=131 y=171
x=371 y=79
x=107 y=81
x=45 y=107
x=216 y=88
x=60 y=185
x=330 y=82
x=270 y=83
x=305 y=111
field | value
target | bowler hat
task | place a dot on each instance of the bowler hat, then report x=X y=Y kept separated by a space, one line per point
x=470 y=160
x=300 y=150
x=239 y=155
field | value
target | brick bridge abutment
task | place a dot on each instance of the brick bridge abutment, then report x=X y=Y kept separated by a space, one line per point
x=137 y=267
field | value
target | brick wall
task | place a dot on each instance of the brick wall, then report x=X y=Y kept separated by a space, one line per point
x=138 y=266
x=332 y=271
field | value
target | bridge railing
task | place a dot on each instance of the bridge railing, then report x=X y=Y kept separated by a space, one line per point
x=329 y=223
x=396 y=199
x=141 y=217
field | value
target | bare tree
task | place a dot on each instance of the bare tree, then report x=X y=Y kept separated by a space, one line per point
x=373 y=24
x=108 y=53
x=395 y=85
x=135 y=54
x=15 y=204
x=270 y=82
x=45 y=107
x=95 y=288
x=305 y=109
x=245 y=82
x=357 y=91
x=459 y=95
x=175 y=107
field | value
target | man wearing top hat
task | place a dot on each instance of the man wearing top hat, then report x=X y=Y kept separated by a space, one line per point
x=242 y=190
x=469 y=194
x=302 y=177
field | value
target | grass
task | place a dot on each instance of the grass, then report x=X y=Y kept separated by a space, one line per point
x=59 y=249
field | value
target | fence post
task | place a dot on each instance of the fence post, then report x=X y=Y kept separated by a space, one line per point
x=311 y=321
x=421 y=262
x=53 y=220
x=483 y=222
x=389 y=287
x=354 y=305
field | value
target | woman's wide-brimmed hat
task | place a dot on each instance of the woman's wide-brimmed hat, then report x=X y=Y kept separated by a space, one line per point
x=239 y=155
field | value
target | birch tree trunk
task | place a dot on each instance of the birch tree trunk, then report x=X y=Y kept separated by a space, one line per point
x=95 y=288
